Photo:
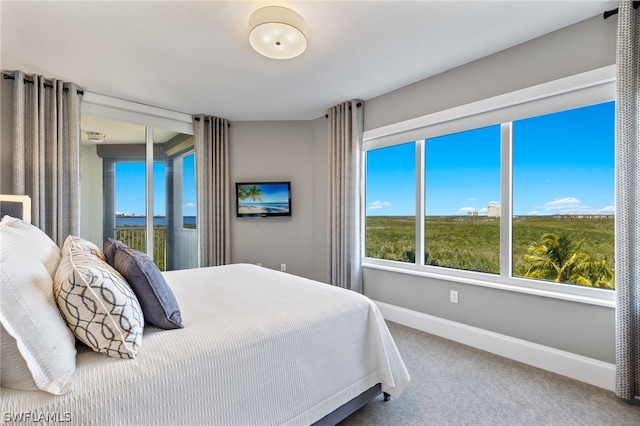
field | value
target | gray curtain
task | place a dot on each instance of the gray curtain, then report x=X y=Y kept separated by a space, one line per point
x=345 y=195
x=211 y=136
x=46 y=152
x=627 y=253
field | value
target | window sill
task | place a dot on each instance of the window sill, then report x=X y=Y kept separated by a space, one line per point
x=604 y=298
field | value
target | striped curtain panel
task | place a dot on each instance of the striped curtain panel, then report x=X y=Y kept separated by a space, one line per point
x=211 y=138
x=627 y=248
x=346 y=122
x=46 y=152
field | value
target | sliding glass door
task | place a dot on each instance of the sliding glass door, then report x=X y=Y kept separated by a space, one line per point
x=144 y=181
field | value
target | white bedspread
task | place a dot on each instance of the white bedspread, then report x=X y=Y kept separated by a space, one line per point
x=258 y=347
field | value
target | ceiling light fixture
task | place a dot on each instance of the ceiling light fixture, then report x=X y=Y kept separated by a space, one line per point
x=277 y=32
x=96 y=137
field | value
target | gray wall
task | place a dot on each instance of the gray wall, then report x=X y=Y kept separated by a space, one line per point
x=579 y=328
x=581 y=47
x=281 y=151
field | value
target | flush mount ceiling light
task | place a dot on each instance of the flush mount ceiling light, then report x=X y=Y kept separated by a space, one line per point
x=277 y=32
x=96 y=137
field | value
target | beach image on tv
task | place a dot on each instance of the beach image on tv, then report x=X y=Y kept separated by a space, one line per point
x=263 y=198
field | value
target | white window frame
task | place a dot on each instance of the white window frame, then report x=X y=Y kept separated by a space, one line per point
x=592 y=87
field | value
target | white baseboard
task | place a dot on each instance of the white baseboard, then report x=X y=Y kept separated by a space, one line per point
x=588 y=370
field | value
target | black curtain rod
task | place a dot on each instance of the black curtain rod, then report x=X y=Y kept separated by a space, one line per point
x=359 y=104
x=609 y=13
x=48 y=85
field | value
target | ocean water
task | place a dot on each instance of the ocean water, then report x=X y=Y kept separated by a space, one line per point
x=157 y=221
x=270 y=207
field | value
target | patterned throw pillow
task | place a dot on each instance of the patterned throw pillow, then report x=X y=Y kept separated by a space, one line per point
x=98 y=304
x=86 y=246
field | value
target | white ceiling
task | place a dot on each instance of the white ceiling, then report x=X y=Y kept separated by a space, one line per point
x=194 y=57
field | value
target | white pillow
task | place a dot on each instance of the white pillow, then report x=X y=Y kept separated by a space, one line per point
x=28 y=311
x=31 y=240
x=97 y=302
x=15 y=371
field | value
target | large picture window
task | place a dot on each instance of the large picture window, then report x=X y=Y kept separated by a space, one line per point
x=462 y=200
x=527 y=201
x=391 y=203
x=563 y=206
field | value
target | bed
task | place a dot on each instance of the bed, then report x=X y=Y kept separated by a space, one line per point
x=258 y=346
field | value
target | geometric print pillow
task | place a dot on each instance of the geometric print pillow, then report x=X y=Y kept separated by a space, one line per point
x=97 y=303
x=86 y=246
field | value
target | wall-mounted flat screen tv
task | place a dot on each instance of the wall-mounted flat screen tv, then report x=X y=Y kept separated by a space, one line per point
x=263 y=199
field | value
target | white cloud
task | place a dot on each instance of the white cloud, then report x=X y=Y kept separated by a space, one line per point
x=190 y=205
x=483 y=210
x=494 y=203
x=572 y=205
x=375 y=205
x=607 y=210
x=473 y=199
x=563 y=205
x=467 y=209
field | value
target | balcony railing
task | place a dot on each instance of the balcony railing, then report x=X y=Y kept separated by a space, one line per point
x=136 y=238
x=185 y=250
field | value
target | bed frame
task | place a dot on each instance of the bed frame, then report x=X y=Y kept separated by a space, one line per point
x=344 y=411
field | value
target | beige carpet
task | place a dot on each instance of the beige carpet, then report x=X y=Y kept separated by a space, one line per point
x=453 y=384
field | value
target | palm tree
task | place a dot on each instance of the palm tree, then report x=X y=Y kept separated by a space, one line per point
x=560 y=259
x=251 y=191
x=410 y=256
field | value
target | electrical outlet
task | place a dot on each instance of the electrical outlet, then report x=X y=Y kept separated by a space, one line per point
x=283 y=267
x=453 y=296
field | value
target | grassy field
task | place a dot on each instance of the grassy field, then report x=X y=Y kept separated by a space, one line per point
x=473 y=243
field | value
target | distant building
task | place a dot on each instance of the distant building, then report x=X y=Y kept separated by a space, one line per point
x=493 y=210
x=472 y=213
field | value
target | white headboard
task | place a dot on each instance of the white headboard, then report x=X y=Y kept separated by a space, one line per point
x=16 y=206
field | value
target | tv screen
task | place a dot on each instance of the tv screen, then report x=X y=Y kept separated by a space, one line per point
x=263 y=199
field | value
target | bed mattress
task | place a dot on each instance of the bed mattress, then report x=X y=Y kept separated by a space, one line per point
x=258 y=347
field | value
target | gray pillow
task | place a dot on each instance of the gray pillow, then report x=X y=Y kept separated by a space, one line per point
x=159 y=305
x=110 y=248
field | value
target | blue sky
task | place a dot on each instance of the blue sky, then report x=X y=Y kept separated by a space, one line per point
x=562 y=164
x=131 y=185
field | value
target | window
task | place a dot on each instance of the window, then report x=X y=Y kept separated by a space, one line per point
x=164 y=236
x=391 y=203
x=130 y=193
x=563 y=207
x=462 y=200
x=130 y=186
x=519 y=193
